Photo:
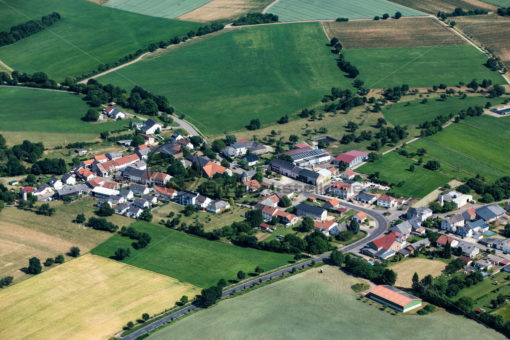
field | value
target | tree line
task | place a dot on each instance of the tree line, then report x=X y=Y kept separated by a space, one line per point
x=28 y=28
x=459 y=12
x=255 y=19
x=504 y=11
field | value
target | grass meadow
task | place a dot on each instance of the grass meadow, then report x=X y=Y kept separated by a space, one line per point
x=312 y=305
x=415 y=113
x=301 y=10
x=87 y=35
x=158 y=8
x=24 y=234
x=406 y=269
x=420 y=66
x=191 y=259
x=87 y=298
x=222 y=83
x=393 y=168
x=474 y=146
x=53 y=118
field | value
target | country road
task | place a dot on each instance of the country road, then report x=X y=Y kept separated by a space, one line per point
x=382 y=225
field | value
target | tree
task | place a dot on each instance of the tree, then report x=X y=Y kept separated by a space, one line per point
x=259 y=270
x=416 y=281
x=254 y=217
x=218 y=145
x=241 y=275
x=337 y=257
x=146 y=215
x=397 y=15
x=104 y=210
x=432 y=165
x=80 y=218
x=34 y=266
x=74 y=252
x=149 y=107
x=45 y=209
x=465 y=303
x=121 y=254
x=285 y=202
x=354 y=226
x=497 y=91
x=447 y=251
x=333 y=41
x=145 y=316
x=137 y=140
x=385 y=16
x=5 y=281
x=254 y=124
x=307 y=225
x=49 y=261
x=388 y=277
x=342 y=166
x=91 y=116
x=506 y=231
x=197 y=141
x=59 y=259
x=209 y=296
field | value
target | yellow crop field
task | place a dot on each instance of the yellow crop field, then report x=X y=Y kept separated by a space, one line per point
x=406 y=269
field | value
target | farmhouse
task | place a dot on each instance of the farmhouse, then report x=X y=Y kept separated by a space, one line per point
x=352 y=158
x=341 y=189
x=113 y=113
x=458 y=198
x=313 y=211
x=395 y=298
x=150 y=127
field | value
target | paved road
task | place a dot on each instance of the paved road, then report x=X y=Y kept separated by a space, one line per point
x=382 y=225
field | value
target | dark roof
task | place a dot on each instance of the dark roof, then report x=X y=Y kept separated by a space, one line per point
x=325 y=139
x=307 y=153
x=134 y=172
x=309 y=173
x=167 y=148
x=310 y=209
x=251 y=158
x=488 y=212
x=200 y=160
x=364 y=196
x=149 y=123
x=282 y=164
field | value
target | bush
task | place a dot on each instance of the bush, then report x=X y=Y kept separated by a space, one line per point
x=34 y=266
x=91 y=116
x=49 y=261
x=74 y=252
x=5 y=281
x=59 y=259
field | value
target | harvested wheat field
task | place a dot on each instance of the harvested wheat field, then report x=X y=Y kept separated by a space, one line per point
x=406 y=269
x=490 y=31
x=87 y=298
x=433 y=6
x=405 y=32
x=225 y=9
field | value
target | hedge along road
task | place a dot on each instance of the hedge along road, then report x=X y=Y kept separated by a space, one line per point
x=382 y=225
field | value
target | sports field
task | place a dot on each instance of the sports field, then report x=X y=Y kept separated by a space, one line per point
x=316 y=306
x=433 y=6
x=414 y=113
x=406 y=32
x=301 y=10
x=191 y=259
x=491 y=31
x=393 y=168
x=225 y=9
x=50 y=117
x=157 y=8
x=24 y=234
x=406 y=269
x=475 y=146
x=87 y=298
x=87 y=35
x=420 y=66
x=222 y=83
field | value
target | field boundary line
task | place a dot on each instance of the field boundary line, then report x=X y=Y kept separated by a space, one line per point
x=269 y=6
x=10 y=69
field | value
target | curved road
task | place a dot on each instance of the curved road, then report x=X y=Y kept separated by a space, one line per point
x=382 y=225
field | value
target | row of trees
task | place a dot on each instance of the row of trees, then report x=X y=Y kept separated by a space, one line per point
x=459 y=12
x=28 y=28
x=255 y=19
x=385 y=16
x=142 y=239
x=377 y=273
x=504 y=12
x=490 y=192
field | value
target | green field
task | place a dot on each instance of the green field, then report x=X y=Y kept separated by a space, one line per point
x=87 y=35
x=260 y=72
x=420 y=66
x=316 y=306
x=500 y=3
x=300 y=10
x=474 y=146
x=47 y=116
x=414 y=113
x=393 y=168
x=191 y=259
x=158 y=8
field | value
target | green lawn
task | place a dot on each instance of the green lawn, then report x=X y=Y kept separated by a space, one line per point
x=260 y=72
x=483 y=292
x=87 y=35
x=312 y=305
x=191 y=259
x=471 y=147
x=50 y=117
x=393 y=169
x=414 y=113
x=300 y=10
x=158 y=8
x=420 y=66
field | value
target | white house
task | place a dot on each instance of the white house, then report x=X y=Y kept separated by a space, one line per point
x=69 y=179
x=386 y=201
x=456 y=197
x=150 y=127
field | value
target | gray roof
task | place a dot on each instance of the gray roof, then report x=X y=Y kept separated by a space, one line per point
x=200 y=160
x=283 y=164
x=137 y=187
x=325 y=139
x=251 y=158
x=140 y=202
x=477 y=224
x=488 y=212
x=467 y=248
x=125 y=192
x=307 y=154
x=148 y=124
x=121 y=207
x=133 y=172
x=364 y=196
x=133 y=209
x=404 y=227
x=218 y=204
x=309 y=173
x=310 y=209
x=421 y=243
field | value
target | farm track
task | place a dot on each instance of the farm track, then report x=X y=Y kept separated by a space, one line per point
x=7 y=67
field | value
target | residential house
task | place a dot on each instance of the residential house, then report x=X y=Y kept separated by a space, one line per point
x=252 y=185
x=187 y=197
x=44 y=192
x=478 y=226
x=267 y=228
x=55 y=183
x=247 y=175
x=141 y=203
x=331 y=204
x=284 y=168
x=138 y=189
x=327 y=227
x=286 y=218
x=171 y=149
x=469 y=214
x=119 y=164
x=121 y=209
x=313 y=211
x=490 y=213
x=86 y=174
x=217 y=206
x=251 y=159
x=483 y=264
x=450 y=224
x=270 y=200
x=386 y=246
x=134 y=212
x=166 y=193
x=87 y=163
x=127 y=194
x=81 y=151
x=113 y=113
x=69 y=179
x=143 y=151
x=114 y=155
x=269 y=212
x=342 y=189
x=25 y=191
x=133 y=174
x=95 y=182
x=386 y=201
x=160 y=178
x=150 y=199
x=497 y=243
x=365 y=198
x=352 y=158
x=211 y=169
x=458 y=198
x=469 y=249
x=150 y=127
x=202 y=201
x=100 y=159
x=404 y=228
x=360 y=217
x=148 y=140
x=421 y=214
x=74 y=190
x=443 y=240
x=464 y=231
x=241 y=148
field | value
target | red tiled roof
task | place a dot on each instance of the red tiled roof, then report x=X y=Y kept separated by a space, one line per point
x=212 y=169
x=242 y=140
x=349 y=156
x=465 y=259
x=333 y=202
x=386 y=198
x=298 y=151
x=95 y=182
x=166 y=191
x=253 y=184
x=350 y=172
x=142 y=146
x=324 y=226
x=88 y=161
x=264 y=226
x=341 y=210
x=393 y=295
x=311 y=198
x=341 y=185
x=443 y=239
x=273 y=198
x=126 y=159
x=386 y=241
x=109 y=109
x=100 y=157
x=160 y=176
x=361 y=215
x=28 y=189
x=302 y=145
x=286 y=215
x=110 y=185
